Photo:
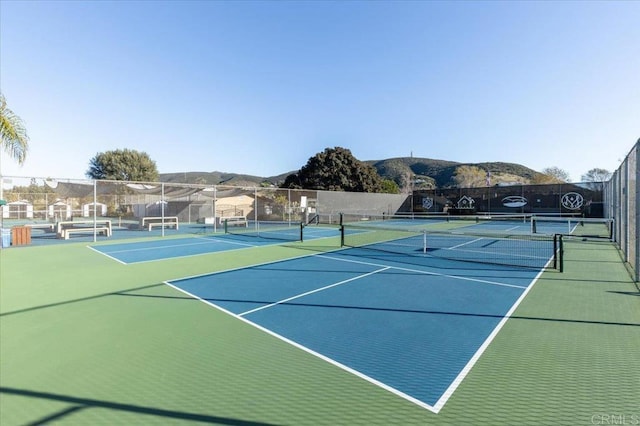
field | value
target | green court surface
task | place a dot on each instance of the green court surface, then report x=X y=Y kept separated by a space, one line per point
x=86 y=340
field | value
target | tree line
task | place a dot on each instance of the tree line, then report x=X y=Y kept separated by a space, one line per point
x=334 y=169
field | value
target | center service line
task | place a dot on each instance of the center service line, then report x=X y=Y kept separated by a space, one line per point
x=313 y=291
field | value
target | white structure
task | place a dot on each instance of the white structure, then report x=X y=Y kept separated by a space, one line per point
x=60 y=210
x=17 y=210
x=87 y=209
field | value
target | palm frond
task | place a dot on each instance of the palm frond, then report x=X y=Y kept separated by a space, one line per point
x=13 y=133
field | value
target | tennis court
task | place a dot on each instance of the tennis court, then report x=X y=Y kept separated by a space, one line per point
x=410 y=323
x=384 y=321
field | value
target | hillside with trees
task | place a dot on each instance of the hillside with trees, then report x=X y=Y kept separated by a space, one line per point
x=405 y=172
x=221 y=178
x=428 y=173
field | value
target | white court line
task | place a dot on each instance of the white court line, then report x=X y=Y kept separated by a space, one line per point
x=312 y=291
x=107 y=255
x=207 y=241
x=203 y=242
x=237 y=243
x=452 y=387
x=476 y=356
x=314 y=353
x=464 y=244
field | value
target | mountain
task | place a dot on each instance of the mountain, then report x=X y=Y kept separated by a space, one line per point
x=425 y=172
x=216 y=178
x=430 y=173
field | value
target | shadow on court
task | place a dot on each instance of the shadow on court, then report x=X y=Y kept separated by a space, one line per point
x=87 y=403
x=378 y=309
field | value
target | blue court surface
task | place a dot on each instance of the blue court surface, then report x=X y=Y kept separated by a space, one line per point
x=414 y=326
x=147 y=251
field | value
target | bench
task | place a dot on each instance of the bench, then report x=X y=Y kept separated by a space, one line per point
x=166 y=224
x=47 y=226
x=66 y=233
x=151 y=222
x=63 y=227
x=235 y=221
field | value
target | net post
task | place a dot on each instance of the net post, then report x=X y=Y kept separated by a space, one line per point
x=341 y=234
x=561 y=252
x=555 y=251
x=226 y=226
x=301 y=231
x=424 y=242
x=610 y=223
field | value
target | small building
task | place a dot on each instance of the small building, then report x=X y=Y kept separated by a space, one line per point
x=60 y=210
x=18 y=210
x=99 y=208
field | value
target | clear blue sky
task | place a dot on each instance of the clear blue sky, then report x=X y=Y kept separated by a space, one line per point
x=259 y=87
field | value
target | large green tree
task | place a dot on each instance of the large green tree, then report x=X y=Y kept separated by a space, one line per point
x=13 y=134
x=125 y=164
x=336 y=169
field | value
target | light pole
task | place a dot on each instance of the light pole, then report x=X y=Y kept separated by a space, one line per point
x=411 y=183
x=488 y=181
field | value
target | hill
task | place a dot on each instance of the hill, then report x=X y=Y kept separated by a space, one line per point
x=215 y=178
x=426 y=173
x=430 y=173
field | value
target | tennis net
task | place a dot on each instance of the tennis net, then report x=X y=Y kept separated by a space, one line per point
x=492 y=218
x=597 y=228
x=274 y=230
x=537 y=251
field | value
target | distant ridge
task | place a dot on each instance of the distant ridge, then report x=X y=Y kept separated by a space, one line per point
x=439 y=173
x=425 y=172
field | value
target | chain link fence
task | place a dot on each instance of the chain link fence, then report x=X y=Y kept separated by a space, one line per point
x=622 y=204
x=141 y=209
x=133 y=209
